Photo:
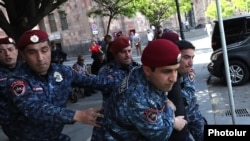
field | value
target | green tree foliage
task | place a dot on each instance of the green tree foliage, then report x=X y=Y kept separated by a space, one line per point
x=113 y=9
x=227 y=10
x=23 y=15
x=158 y=11
x=185 y=5
x=241 y=5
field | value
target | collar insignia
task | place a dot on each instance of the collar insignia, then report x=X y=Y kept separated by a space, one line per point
x=191 y=77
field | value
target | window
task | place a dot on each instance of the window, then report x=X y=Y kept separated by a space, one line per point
x=52 y=22
x=231 y=29
x=63 y=19
x=248 y=25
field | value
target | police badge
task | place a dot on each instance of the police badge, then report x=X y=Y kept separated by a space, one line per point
x=34 y=38
x=58 y=76
x=11 y=40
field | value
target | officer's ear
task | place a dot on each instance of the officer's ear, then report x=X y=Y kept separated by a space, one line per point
x=147 y=70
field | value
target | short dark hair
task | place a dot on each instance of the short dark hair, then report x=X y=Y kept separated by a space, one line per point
x=183 y=44
x=107 y=36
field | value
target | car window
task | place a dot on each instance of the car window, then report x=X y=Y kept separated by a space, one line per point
x=248 y=25
x=231 y=29
x=235 y=29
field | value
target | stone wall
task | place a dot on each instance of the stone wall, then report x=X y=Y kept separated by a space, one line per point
x=79 y=34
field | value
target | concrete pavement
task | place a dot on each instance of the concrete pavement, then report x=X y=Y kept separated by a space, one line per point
x=221 y=104
x=202 y=58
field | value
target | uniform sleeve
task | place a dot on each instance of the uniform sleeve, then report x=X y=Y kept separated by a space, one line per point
x=34 y=106
x=188 y=87
x=4 y=113
x=103 y=71
x=153 y=124
x=93 y=81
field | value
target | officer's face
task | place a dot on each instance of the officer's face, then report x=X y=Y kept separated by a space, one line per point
x=186 y=63
x=38 y=57
x=124 y=57
x=8 y=55
x=162 y=78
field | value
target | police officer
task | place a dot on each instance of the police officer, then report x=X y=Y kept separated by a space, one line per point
x=8 y=64
x=39 y=90
x=120 y=66
x=196 y=121
x=139 y=109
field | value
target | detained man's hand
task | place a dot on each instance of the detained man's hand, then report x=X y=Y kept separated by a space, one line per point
x=179 y=123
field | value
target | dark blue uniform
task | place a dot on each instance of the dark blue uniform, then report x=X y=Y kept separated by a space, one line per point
x=195 y=119
x=5 y=72
x=38 y=110
x=119 y=72
x=137 y=111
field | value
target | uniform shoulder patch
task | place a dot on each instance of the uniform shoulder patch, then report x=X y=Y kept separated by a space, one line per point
x=18 y=87
x=151 y=115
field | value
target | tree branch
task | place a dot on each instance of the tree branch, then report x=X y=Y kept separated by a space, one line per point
x=2 y=4
x=4 y=24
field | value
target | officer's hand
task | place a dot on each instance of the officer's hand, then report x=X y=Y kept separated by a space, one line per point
x=179 y=123
x=171 y=104
x=88 y=116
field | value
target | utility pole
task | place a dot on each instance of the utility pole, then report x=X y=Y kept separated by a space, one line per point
x=179 y=19
x=247 y=6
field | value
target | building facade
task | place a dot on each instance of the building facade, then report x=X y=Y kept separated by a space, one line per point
x=71 y=29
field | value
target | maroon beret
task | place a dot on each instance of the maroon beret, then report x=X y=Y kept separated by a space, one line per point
x=32 y=37
x=119 y=43
x=159 y=53
x=7 y=40
x=170 y=36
